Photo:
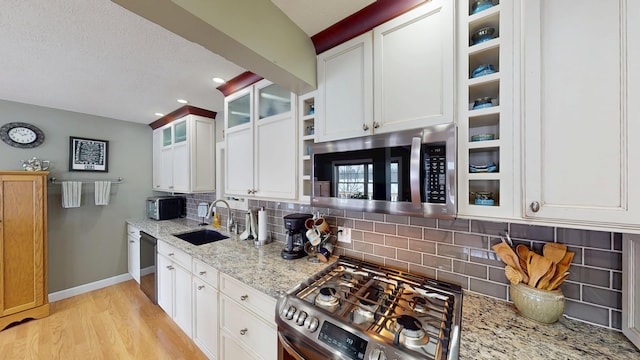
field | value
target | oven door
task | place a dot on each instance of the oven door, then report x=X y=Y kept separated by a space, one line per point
x=292 y=347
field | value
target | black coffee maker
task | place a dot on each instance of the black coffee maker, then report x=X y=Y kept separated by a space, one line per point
x=296 y=236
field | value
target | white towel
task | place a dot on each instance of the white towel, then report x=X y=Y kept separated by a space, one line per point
x=71 y=193
x=103 y=190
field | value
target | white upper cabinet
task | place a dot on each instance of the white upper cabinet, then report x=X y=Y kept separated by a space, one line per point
x=398 y=76
x=413 y=66
x=261 y=142
x=184 y=155
x=581 y=83
x=344 y=105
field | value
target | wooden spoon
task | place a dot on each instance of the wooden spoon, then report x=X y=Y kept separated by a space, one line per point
x=523 y=255
x=513 y=275
x=565 y=263
x=509 y=257
x=546 y=278
x=538 y=267
x=554 y=251
x=555 y=283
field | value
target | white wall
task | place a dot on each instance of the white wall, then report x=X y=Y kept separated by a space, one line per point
x=86 y=244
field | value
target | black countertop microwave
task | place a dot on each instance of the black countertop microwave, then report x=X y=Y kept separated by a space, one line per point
x=404 y=173
x=165 y=207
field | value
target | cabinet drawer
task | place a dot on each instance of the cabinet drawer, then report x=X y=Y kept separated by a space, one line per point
x=133 y=231
x=174 y=254
x=248 y=329
x=254 y=300
x=205 y=272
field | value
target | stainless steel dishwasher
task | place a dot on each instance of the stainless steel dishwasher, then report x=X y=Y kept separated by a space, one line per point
x=148 y=261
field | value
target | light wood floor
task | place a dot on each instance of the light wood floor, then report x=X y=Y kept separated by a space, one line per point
x=117 y=322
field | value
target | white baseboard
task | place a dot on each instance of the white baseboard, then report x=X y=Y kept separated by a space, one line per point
x=148 y=270
x=67 y=293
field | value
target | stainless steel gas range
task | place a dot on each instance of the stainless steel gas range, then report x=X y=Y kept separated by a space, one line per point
x=358 y=310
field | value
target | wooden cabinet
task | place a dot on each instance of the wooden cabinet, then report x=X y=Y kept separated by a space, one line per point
x=398 y=76
x=184 y=155
x=247 y=323
x=580 y=119
x=205 y=308
x=23 y=246
x=133 y=241
x=174 y=285
x=261 y=142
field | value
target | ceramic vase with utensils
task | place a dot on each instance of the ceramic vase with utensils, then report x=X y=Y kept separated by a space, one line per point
x=545 y=306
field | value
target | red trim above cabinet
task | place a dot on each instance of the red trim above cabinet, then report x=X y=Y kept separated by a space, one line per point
x=358 y=23
x=239 y=82
x=183 y=111
x=355 y=24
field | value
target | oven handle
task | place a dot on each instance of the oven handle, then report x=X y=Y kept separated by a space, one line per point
x=414 y=173
x=289 y=348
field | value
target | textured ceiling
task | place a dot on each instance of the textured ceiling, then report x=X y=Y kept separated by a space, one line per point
x=94 y=57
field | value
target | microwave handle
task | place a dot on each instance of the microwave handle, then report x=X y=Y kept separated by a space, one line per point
x=414 y=173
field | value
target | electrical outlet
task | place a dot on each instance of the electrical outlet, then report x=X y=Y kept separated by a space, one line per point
x=344 y=234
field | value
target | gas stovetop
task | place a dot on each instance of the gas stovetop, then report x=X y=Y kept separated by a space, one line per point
x=359 y=310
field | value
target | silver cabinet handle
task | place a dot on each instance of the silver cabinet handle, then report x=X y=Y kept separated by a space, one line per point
x=249 y=191
x=365 y=127
x=200 y=287
x=169 y=267
x=171 y=254
x=376 y=125
x=202 y=272
x=535 y=206
x=131 y=241
x=170 y=187
x=244 y=297
x=243 y=331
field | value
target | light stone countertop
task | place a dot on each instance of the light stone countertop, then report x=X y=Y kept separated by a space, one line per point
x=491 y=328
x=260 y=267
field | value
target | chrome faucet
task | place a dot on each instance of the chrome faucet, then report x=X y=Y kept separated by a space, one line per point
x=229 y=218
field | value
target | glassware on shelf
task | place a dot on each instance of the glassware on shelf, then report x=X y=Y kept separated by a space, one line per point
x=482 y=70
x=483 y=102
x=483 y=198
x=482 y=35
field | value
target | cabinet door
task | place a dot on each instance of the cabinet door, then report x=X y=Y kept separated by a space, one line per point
x=344 y=106
x=630 y=288
x=202 y=154
x=182 y=307
x=205 y=317
x=164 y=273
x=275 y=143
x=134 y=257
x=579 y=115
x=413 y=68
x=180 y=159
x=239 y=161
x=22 y=243
x=157 y=161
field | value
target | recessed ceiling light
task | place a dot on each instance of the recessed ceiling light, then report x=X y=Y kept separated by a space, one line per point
x=218 y=80
x=159 y=114
x=183 y=101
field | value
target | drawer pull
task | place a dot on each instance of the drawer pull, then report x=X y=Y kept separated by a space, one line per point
x=171 y=254
x=131 y=241
x=243 y=331
x=202 y=272
x=244 y=297
x=169 y=267
x=200 y=287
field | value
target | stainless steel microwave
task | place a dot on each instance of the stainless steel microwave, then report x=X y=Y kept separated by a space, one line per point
x=165 y=207
x=405 y=173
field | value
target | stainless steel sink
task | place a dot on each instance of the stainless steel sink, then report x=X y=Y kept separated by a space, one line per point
x=201 y=237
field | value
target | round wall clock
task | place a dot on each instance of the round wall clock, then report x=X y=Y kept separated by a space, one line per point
x=21 y=135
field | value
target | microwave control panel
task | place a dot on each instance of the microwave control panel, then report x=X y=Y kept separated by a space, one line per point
x=435 y=167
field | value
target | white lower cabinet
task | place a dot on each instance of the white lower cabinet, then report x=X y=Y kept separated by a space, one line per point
x=247 y=327
x=133 y=241
x=205 y=308
x=174 y=285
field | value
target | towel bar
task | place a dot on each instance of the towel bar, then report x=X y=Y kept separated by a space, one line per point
x=54 y=180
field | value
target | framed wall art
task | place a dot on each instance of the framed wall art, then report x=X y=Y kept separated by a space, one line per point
x=88 y=154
